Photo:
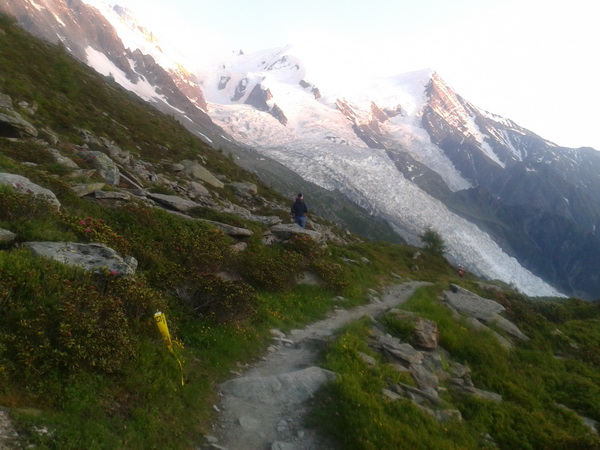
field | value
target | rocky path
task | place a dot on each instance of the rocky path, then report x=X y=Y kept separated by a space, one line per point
x=264 y=408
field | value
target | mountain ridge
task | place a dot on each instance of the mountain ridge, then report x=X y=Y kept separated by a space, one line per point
x=434 y=137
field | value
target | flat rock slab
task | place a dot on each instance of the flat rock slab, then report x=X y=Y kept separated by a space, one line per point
x=472 y=305
x=90 y=257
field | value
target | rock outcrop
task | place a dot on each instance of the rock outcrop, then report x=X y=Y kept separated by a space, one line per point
x=90 y=257
x=23 y=185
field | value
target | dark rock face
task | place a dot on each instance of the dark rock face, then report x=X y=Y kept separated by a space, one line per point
x=223 y=82
x=277 y=112
x=240 y=90
x=540 y=202
x=259 y=97
x=315 y=90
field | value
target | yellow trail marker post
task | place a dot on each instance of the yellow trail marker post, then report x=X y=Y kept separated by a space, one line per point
x=161 y=323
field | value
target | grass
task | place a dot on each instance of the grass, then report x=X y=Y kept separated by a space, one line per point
x=533 y=383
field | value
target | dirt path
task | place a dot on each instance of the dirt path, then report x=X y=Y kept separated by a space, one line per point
x=264 y=408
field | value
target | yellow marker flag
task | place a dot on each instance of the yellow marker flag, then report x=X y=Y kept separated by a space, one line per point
x=161 y=323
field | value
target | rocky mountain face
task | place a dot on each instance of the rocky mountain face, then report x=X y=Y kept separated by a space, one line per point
x=82 y=29
x=497 y=192
x=545 y=196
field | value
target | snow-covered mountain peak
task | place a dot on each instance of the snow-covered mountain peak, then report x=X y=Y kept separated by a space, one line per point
x=135 y=36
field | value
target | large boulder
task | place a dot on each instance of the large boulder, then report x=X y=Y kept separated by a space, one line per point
x=63 y=160
x=11 y=123
x=90 y=257
x=472 y=305
x=285 y=231
x=105 y=166
x=6 y=236
x=199 y=172
x=173 y=201
x=23 y=185
x=229 y=229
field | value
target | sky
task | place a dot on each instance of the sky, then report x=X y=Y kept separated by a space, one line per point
x=532 y=61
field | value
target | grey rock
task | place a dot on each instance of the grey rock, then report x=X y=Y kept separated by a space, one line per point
x=19 y=127
x=6 y=236
x=391 y=394
x=82 y=173
x=472 y=305
x=24 y=186
x=9 y=438
x=426 y=333
x=63 y=160
x=509 y=327
x=368 y=359
x=106 y=167
x=477 y=325
x=50 y=136
x=83 y=189
x=448 y=415
x=6 y=102
x=399 y=350
x=479 y=393
x=173 y=202
x=245 y=189
x=111 y=195
x=287 y=231
x=198 y=189
x=90 y=257
x=418 y=396
x=197 y=171
x=424 y=377
x=229 y=229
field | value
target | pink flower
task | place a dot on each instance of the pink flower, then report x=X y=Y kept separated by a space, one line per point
x=87 y=230
x=82 y=222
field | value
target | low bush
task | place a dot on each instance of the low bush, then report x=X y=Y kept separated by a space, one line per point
x=219 y=301
x=270 y=268
x=60 y=320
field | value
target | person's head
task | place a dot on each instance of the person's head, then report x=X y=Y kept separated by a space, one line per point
x=300 y=196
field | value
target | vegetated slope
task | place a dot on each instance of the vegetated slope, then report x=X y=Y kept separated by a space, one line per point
x=81 y=360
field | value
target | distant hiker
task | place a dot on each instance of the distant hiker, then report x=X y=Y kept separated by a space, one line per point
x=461 y=271
x=299 y=211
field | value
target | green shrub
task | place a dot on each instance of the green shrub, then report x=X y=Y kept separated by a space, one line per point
x=22 y=207
x=402 y=328
x=220 y=301
x=336 y=276
x=57 y=319
x=269 y=268
x=90 y=229
x=306 y=246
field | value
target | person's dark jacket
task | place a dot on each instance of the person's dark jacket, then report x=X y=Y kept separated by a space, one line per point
x=299 y=208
